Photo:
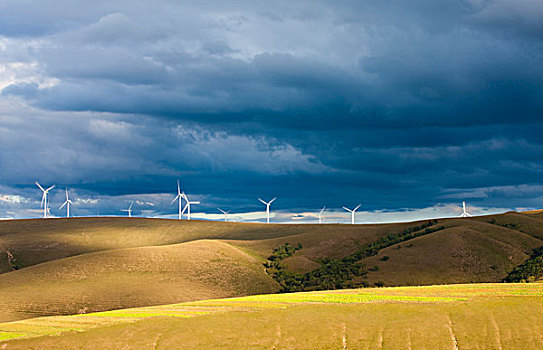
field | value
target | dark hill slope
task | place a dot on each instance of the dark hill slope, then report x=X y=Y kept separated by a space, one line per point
x=39 y=240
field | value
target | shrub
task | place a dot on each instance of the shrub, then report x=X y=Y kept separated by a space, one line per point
x=530 y=270
x=339 y=273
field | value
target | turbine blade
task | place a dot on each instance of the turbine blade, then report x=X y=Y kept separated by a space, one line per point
x=358 y=206
x=50 y=188
x=42 y=198
x=222 y=211
x=272 y=200
x=262 y=201
x=178 y=188
x=349 y=210
x=195 y=202
x=173 y=200
x=41 y=188
x=131 y=204
x=62 y=206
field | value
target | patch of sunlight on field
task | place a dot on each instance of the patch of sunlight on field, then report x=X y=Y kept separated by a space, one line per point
x=343 y=298
x=55 y=325
x=145 y=313
x=9 y=335
x=450 y=297
x=468 y=290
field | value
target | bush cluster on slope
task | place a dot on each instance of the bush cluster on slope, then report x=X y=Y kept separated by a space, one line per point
x=280 y=253
x=339 y=273
x=529 y=271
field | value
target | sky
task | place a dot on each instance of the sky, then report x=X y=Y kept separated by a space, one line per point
x=408 y=108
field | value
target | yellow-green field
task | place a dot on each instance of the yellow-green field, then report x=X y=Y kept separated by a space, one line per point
x=476 y=316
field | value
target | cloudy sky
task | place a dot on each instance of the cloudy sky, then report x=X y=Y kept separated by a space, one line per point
x=406 y=107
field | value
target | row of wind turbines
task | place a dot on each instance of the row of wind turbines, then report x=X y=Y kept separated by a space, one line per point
x=181 y=195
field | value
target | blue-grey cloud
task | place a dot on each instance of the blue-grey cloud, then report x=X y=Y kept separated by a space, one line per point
x=391 y=103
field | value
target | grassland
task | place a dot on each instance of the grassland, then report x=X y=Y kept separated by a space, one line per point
x=84 y=265
x=477 y=316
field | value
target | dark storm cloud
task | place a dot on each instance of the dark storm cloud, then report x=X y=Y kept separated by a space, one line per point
x=403 y=104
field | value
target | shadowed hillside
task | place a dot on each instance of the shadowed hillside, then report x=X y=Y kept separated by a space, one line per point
x=482 y=249
x=37 y=240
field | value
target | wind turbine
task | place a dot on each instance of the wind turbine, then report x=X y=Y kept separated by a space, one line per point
x=180 y=197
x=352 y=212
x=465 y=214
x=129 y=210
x=225 y=214
x=320 y=214
x=67 y=204
x=267 y=208
x=44 y=198
x=187 y=206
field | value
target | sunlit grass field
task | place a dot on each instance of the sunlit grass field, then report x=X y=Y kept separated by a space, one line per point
x=476 y=316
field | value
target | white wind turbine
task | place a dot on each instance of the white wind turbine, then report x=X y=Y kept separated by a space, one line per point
x=44 y=198
x=352 y=212
x=180 y=197
x=67 y=204
x=465 y=214
x=129 y=210
x=267 y=204
x=320 y=214
x=225 y=214
x=187 y=206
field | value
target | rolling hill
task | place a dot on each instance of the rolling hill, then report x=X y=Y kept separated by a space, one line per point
x=121 y=278
x=69 y=266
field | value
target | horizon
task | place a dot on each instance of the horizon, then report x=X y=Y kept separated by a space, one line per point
x=329 y=216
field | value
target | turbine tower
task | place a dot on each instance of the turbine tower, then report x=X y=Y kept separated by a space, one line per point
x=67 y=204
x=465 y=214
x=225 y=214
x=320 y=214
x=187 y=206
x=267 y=208
x=44 y=198
x=129 y=210
x=180 y=197
x=352 y=212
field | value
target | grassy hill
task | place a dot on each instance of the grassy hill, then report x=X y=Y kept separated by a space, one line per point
x=40 y=240
x=129 y=277
x=471 y=251
x=66 y=266
x=478 y=316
